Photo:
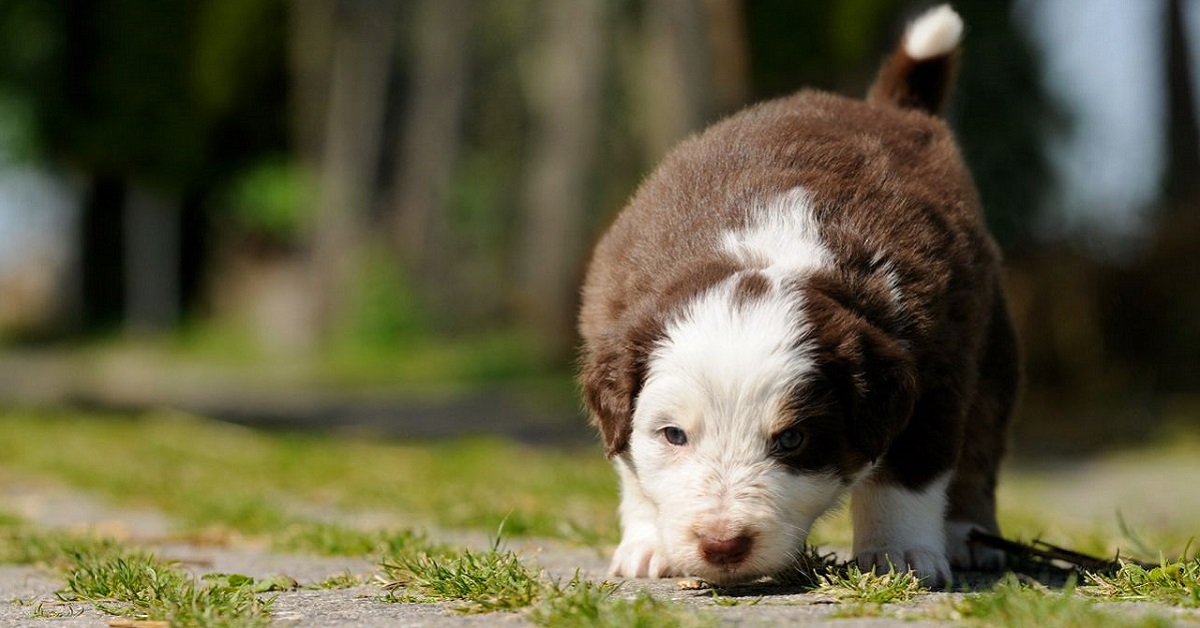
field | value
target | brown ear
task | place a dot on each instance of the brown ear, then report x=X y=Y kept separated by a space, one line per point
x=611 y=378
x=878 y=387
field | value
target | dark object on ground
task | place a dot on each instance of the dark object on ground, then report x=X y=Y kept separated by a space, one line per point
x=1039 y=556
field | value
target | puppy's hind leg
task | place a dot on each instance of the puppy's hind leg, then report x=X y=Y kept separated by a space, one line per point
x=972 y=492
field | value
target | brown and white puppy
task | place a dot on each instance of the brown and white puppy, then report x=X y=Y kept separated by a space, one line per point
x=803 y=302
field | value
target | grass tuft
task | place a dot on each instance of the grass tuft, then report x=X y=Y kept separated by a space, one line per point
x=131 y=583
x=488 y=581
x=498 y=580
x=852 y=584
x=344 y=580
x=1175 y=583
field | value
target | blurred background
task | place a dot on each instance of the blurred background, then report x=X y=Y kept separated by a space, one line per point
x=374 y=215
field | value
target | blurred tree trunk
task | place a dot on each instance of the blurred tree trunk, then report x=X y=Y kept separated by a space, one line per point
x=153 y=290
x=430 y=137
x=363 y=38
x=676 y=86
x=730 y=53
x=101 y=253
x=1151 y=322
x=1183 y=134
x=310 y=47
x=564 y=92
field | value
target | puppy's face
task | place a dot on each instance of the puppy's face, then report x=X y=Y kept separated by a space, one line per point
x=744 y=430
x=712 y=433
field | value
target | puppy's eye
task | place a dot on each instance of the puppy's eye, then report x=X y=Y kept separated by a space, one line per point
x=789 y=440
x=675 y=436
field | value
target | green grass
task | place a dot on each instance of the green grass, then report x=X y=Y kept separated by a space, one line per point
x=332 y=539
x=311 y=494
x=1174 y=583
x=210 y=476
x=486 y=581
x=340 y=581
x=1013 y=604
x=849 y=583
x=499 y=580
x=131 y=583
x=125 y=581
x=21 y=544
x=580 y=603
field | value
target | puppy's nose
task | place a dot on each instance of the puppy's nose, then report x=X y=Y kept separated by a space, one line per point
x=726 y=552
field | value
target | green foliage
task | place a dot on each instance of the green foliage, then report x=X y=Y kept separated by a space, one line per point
x=1175 y=583
x=387 y=312
x=16 y=128
x=271 y=200
x=240 y=44
x=132 y=583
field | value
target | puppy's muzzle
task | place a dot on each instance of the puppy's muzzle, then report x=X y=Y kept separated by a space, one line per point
x=726 y=552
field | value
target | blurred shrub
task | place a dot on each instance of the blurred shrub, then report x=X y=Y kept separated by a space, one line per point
x=269 y=201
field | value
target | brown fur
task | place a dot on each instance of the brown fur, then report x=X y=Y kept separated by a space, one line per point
x=907 y=82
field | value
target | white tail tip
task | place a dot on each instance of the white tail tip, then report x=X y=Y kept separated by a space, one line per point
x=935 y=33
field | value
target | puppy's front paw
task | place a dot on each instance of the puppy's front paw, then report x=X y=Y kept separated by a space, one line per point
x=638 y=558
x=967 y=555
x=929 y=564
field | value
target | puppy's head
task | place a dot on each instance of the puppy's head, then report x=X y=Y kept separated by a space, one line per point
x=758 y=405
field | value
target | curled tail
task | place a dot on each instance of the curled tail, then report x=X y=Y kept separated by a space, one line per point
x=921 y=71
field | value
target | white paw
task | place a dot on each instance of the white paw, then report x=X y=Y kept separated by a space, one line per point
x=637 y=558
x=930 y=565
x=970 y=556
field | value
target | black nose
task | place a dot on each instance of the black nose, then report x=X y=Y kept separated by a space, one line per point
x=726 y=552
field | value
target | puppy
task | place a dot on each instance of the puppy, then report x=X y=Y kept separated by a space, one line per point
x=800 y=303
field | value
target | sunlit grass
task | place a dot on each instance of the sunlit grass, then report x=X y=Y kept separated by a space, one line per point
x=1011 y=604
x=410 y=360
x=889 y=587
x=136 y=584
x=207 y=474
x=497 y=579
x=1175 y=583
x=491 y=580
x=122 y=580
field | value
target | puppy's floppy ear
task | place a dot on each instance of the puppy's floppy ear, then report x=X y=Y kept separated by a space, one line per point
x=873 y=376
x=877 y=385
x=611 y=377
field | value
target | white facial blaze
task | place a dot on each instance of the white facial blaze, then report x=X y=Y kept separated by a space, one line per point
x=721 y=375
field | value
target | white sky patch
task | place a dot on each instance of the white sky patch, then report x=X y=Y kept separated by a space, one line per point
x=1104 y=60
x=37 y=217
